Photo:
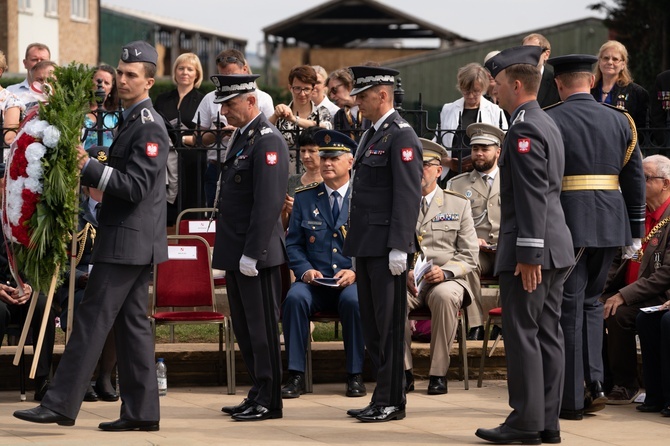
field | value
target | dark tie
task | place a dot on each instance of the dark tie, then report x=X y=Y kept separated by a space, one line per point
x=336 y=206
x=97 y=211
x=486 y=180
x=370 y=134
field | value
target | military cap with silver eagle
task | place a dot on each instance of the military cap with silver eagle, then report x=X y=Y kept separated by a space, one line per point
x=485 y=134
x=333 y=143
x=529 y=54
x=366 y=77
x=139 y=51
x=232 y=85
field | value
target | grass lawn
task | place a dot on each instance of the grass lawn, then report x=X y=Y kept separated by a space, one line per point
x=209 y=333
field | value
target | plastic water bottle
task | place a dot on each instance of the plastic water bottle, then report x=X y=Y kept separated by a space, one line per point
x=161 y=375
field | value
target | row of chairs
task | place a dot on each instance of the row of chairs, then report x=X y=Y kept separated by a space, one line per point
x=186 y=281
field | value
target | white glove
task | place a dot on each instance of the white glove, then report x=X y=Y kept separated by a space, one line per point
x=248 y=266
x=397 y=261
x=630 y=251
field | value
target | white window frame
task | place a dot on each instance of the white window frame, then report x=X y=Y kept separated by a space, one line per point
x=51 y=8
x=26 y=6
x=79 y=10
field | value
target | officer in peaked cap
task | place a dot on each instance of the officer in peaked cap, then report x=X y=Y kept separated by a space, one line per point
x=249 y=240
x=232 y=85
x=366 y=77
x=603 y=171
x=131 y=237
x=383 y=215
x=534 y=252
x=482 y=187
x=316 y=234
x=333 y=143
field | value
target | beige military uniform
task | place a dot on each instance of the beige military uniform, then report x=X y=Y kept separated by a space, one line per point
x=448 y=238
x=485 y=204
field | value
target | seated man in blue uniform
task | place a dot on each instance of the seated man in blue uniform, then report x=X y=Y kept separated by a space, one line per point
x=314 y=243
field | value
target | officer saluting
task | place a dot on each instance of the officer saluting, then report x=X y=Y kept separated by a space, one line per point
x=384 y=210
x=603 y=197
x=250 y=240
x=131 y=236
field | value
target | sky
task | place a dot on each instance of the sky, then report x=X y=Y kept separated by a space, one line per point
x=475 y=19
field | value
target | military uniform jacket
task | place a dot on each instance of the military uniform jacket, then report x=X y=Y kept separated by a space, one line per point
x=485 y=203
x=448 y=237
x=596 y=138
x=314 y=240
x=532 y=224
x=652 y=286
x=254 y=176
x=386 y=191
x=131 y=224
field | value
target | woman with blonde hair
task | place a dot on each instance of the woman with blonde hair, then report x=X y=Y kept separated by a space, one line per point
x=11 y=108
x=178 y=107
x=614 y=84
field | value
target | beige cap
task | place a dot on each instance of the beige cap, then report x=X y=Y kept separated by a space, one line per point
x=485 y=134
x=432 y=150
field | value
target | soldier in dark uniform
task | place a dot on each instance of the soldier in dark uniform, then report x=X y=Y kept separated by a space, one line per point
x=534 y=253
x=384 y=209
x=314 y=245
x=250 y=240
x=131 y=236
x=603 y=201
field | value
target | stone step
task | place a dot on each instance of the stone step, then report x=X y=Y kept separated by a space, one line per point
x=196 y=364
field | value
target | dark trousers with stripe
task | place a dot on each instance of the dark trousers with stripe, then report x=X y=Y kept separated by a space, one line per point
x=254 y=308
x=383 y=305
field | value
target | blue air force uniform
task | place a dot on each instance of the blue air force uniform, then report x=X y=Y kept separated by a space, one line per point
x=315 y=241
x=532 y=231
x=603 y=198
x=131 y=237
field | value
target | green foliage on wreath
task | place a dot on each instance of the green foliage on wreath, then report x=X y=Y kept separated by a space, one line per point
x=55 y=218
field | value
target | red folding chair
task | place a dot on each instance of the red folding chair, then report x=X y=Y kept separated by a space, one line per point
x=202 y=227
x=185 y=286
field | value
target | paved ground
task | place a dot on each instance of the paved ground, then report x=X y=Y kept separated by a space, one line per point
x=191 y=416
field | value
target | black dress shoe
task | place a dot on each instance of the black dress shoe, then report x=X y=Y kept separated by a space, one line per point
x=476 y=333
x=594 y=397
x=355 y=385
x=356 y=412
x=437 y=385
x=409 y=381
x=571 y=414
x=90 y=395
x=106 y=396
x=122 y=425
x=650 y=407
x=295 y=386
x=665 y=412
x=244 y=405
x=256 y=412
x=504 y=434
x=41 y=414
x=550 y=436
x=379 y=414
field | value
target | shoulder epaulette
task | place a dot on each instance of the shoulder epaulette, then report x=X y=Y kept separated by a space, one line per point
x=146 y=115
x=401 y=123
x=306 y=187
x=459 y=195
x=552 y=105
x=458 y=177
